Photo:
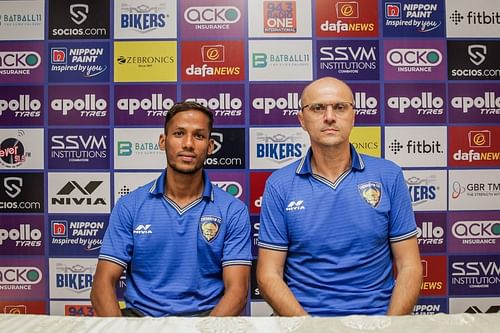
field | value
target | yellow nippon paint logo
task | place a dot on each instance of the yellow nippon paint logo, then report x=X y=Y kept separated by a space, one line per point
x=145 y=61
x=367 y=140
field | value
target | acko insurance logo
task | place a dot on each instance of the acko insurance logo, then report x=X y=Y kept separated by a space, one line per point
x=224 y=100
x=477 y=232
x=143 y=104
x=289 y=60
x=473 y=60
x=414 y=18
x=414 y=60
x=231 y=182
x=88 y=62
x=474 y=146
x=76 y=235
x=348 y=60
x=275 y=104
x=126 y=182
x=424 y=146
x=475 y=305
x=346 y=18
x=22 y=20
x=21 y=192
x=154 y=19
x=473 y=189
x=430 y=306
x=258 y=182
x=79 y=148
x=21 y=105
x=21 y=148
x=472 y=19
x=152 y=61
x=474 y=274
x=79 y=19
x=228 y=152
x=138 y=148
x=22 y=278
x=272 y=148
x=366 y=140
x=431 y=229
x=22 y=235
x=415 y=103
x=213 y=60
x=22 y=62
x=71 y=278
x=427 y=189
x=207 y=19
x=72 y=105
x=474 y=103
x=434 y=276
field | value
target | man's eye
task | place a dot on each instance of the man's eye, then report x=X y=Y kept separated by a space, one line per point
x=317 y=107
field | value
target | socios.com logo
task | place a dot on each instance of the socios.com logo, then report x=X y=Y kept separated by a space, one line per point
x=19 y=60
x=212 y=15
x=20 y=275
x=414 y=57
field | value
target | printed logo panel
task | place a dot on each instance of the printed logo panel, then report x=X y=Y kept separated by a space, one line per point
x=22 y=235
x=277 y=19
x=137 y=148
x=79 y=19
x=288 y=60
x=213 y=60
x=431 y=232
x=21 y=106
x=257 y=184
x=430 y=306
x=143 y=104
x=474 y=232
x=261 y=309
x=202 y=19
x=21 y=148
x=275 y=104
x=22 y=62
x=474 y=103
x=145 y=20
x=79 y=192
x=76 y=235
x=428 y=189
x=348 y=59
x=414 y=60
x=474 y=146
x=474 y=275
x=480 y=18
x=473 y=189
x=77 y=105
x=474 y=60
x=475 y=305
x=79 y=148
x=410 y=18
x=126 y=182
x=434 y=272
x=226 y=101
x=71 y=278
x=22 y=279
x=339 y=18
x=145 y=61
x=415 y=103
x=367 y=103
x=255 y=221
x=73 y=308
x=423 y=146
x=23 y=307
x=22 y=20
x=233 y=183
x=86 y=62
x=273 y=148
x=228 y=150
x=22 y=192
x=255 y=292
x=366 y=140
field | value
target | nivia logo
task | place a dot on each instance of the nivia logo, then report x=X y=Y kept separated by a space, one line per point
x=85 y=194
x=13 y=186
x=142 y=229
x=295 y=205
x=476 y=309
x=72 y=185
x=477 y=53
x=79 y=12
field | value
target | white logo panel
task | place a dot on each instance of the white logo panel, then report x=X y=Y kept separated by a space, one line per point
x=275 y=147
x=137 y=148
x=71 y=278
x=261 y=309
x=428 y=189
x=126 y=182
x=475 y=305
x=21 y=148
x=479 y=18
x=421 y=146
x=22 y=20
x=474 y=189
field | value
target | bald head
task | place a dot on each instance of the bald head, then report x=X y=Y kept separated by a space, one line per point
x=324 y=84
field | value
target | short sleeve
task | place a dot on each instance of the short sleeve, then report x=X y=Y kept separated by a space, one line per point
x=237 y=246
x=402 y=223
x=272 y=229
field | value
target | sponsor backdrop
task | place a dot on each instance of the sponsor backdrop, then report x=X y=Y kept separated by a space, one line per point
x=85 y=86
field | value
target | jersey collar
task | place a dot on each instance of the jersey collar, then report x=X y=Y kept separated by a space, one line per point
x=304 y=166
x=158 y=187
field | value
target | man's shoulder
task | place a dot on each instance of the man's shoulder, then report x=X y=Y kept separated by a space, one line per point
x=140 y=193
x=284 y=174
x=378 y=162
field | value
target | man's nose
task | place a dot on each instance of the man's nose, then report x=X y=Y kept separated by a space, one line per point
x=330 y=114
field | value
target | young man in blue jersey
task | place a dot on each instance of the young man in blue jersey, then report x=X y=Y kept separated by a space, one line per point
x=333 y=223
x=185 y=244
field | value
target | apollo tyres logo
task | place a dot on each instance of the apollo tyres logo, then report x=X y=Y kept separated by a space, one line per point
x=478 y=103
x=474 y=146
x=431 y=231
x=21 y=105
x=473 y=60
x=346 y=18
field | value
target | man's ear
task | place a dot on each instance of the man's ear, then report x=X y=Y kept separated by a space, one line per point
x=161 y=142
x=300 y=115
x=211 y=145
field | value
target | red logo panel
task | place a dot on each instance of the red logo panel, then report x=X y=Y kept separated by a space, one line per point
x=337 y=18
x=257 y=184
x=435 y=277
x=475 y=146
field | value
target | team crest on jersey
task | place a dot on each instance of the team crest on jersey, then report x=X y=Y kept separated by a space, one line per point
x=209 y=227
x=371 y=192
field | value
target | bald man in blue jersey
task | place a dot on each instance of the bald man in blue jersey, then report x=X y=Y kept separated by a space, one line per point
x=185 y=244
x=335 y=223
